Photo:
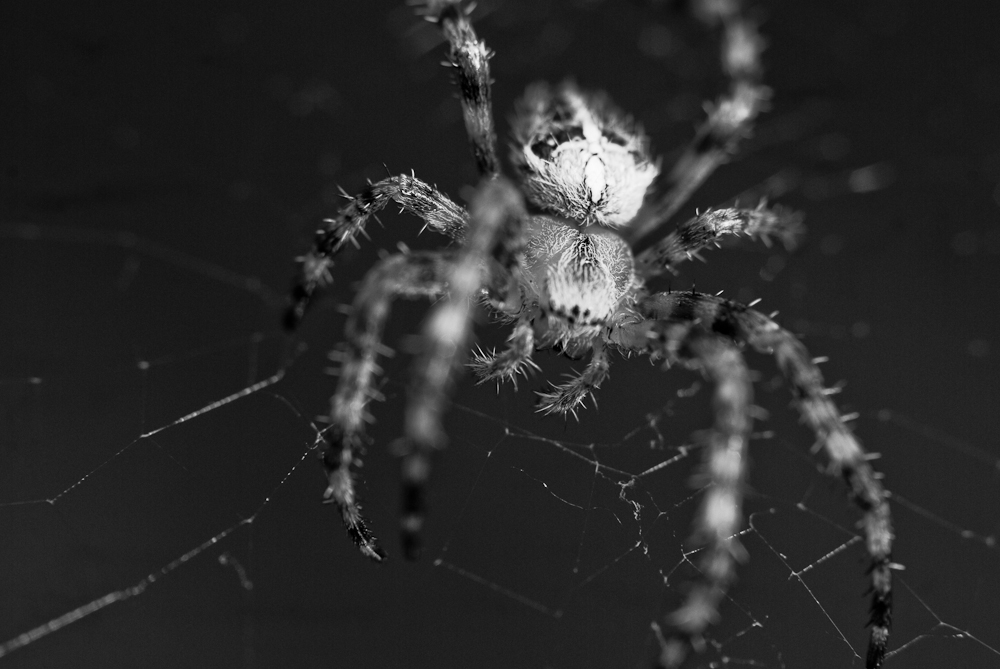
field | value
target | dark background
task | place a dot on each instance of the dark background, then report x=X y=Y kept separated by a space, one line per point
x=161 y=164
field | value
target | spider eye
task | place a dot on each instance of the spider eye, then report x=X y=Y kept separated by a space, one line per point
x=546 y=146
x=615 y=137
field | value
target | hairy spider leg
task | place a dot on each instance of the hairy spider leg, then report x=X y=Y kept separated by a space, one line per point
x=729 y=120
x=469 y=58
x=413 y=195
x=707 y=229
x=495 y=233
x=421 y=274
x=720 y=515
x=847 y=458
x=567 y=397
x=512 y=361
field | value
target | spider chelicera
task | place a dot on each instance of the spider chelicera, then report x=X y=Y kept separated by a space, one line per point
x=555 y=257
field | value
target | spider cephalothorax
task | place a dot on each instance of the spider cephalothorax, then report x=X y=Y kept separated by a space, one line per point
x=555 y=258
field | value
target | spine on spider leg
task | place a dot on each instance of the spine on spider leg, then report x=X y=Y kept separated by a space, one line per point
x=729 y=120
x=348 y=409
x=847 y=458
x=315 y=267
x=495 y=230
x=414 y=275
x=707 y=229
x=720 y=515
x=468 y=57
x=413 y=195
x=569 y=396
x=512 y=362
x=338 y=459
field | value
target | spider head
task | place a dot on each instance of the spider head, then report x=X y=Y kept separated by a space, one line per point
x=578 y=279
x=580 y=157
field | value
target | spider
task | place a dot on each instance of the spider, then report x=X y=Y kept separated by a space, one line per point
x=557 y=257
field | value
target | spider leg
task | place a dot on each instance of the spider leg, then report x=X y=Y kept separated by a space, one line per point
x=705 y=230
x=412 y=275
x=495 y=232
x=469 y=59
x=569 y=396
x=719 y=518
x=413 y=195
x=729 y=121
x=847 y=457
x=506 y=366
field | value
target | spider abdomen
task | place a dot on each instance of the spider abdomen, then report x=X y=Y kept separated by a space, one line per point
x=578 y=155
x=577 y=278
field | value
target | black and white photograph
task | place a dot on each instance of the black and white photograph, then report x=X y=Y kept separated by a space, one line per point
x=534 y=334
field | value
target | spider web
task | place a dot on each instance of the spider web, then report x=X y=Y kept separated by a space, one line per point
x=159 y=494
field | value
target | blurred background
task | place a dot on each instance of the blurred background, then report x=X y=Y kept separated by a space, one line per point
x=162 y=164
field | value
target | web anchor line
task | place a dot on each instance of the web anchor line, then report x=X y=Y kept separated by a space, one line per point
x=81 y=612
x=114 y=597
